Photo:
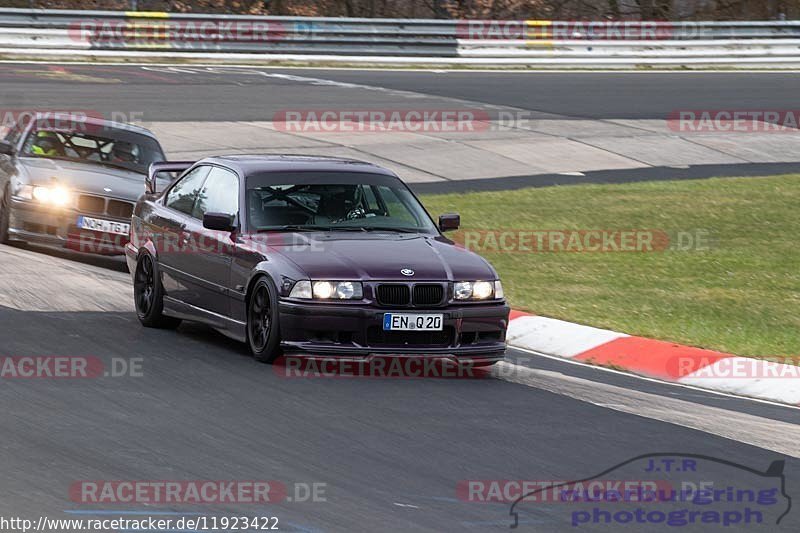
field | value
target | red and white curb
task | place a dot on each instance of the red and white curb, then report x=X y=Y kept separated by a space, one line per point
x=662 y=360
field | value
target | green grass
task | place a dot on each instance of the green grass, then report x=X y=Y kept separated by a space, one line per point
x=740 y=294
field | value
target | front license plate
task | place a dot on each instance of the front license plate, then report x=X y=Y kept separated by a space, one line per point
x=106 y=226
x=412 y=322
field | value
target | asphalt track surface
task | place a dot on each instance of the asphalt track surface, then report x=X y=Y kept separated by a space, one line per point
x=180 y=93
x=238 y=94
x=390 y=451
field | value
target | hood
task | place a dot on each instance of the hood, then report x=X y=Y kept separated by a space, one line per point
x=84 y=177
x=377 y=256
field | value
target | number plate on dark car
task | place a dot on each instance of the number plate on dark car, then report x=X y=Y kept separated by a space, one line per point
x=412 y=322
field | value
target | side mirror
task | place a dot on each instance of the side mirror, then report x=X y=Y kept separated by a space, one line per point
x=6 y=148
x=449 y=221
x=218 y=221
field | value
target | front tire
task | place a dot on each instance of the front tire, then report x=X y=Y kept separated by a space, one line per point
x=148 y=295
x=263 y=326
x=5 y=215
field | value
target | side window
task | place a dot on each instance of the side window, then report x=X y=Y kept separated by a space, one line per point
x=220 y=194
x=182 y=196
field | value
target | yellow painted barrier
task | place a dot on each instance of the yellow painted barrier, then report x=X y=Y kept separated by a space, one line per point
x=538 y=34
x=147 y=14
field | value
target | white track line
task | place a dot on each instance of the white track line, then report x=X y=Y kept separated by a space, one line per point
x=649 y=379
x=774 y=435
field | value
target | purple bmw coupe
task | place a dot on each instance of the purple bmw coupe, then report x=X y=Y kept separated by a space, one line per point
x=317 y=256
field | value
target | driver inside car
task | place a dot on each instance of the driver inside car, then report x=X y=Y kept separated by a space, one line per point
x=47 y=144
x=341 y=204
x=123 y=152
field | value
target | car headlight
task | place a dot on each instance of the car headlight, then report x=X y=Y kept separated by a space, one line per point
x=327 y=290
x=59 y=196
x=477 y=290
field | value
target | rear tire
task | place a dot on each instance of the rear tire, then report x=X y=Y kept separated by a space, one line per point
x=263 y=325
x=5 y=215
x=148 y=295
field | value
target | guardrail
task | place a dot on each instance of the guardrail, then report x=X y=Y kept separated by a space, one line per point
x=148 y=35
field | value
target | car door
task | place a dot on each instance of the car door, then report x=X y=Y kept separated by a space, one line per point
x=175 y=253
x=213 y=250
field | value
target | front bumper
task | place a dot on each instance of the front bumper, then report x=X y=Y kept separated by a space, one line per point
x=471 y=333
x=56 y=227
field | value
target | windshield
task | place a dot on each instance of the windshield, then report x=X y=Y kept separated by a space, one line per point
x=103 y=145
x=331 y=206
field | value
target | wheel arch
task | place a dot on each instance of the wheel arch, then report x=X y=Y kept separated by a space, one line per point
x=150 y=248
x=258 y=274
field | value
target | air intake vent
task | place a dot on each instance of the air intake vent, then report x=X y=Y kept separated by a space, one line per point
x=428 y=294
x=91 y=204
x=394 y=294
x=377 y=337
x=117 y=208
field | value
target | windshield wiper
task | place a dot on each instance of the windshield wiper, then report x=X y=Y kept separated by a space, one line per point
x=311 y=227
x=293 y=227
x=374 y=228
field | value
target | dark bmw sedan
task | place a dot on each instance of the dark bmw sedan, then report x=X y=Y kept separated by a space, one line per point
x=309 y=255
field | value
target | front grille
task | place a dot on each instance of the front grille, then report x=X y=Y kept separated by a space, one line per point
x=394 y=294
x=118 y=208
x=428 y=294
x=376 y=336
x=92 y=204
